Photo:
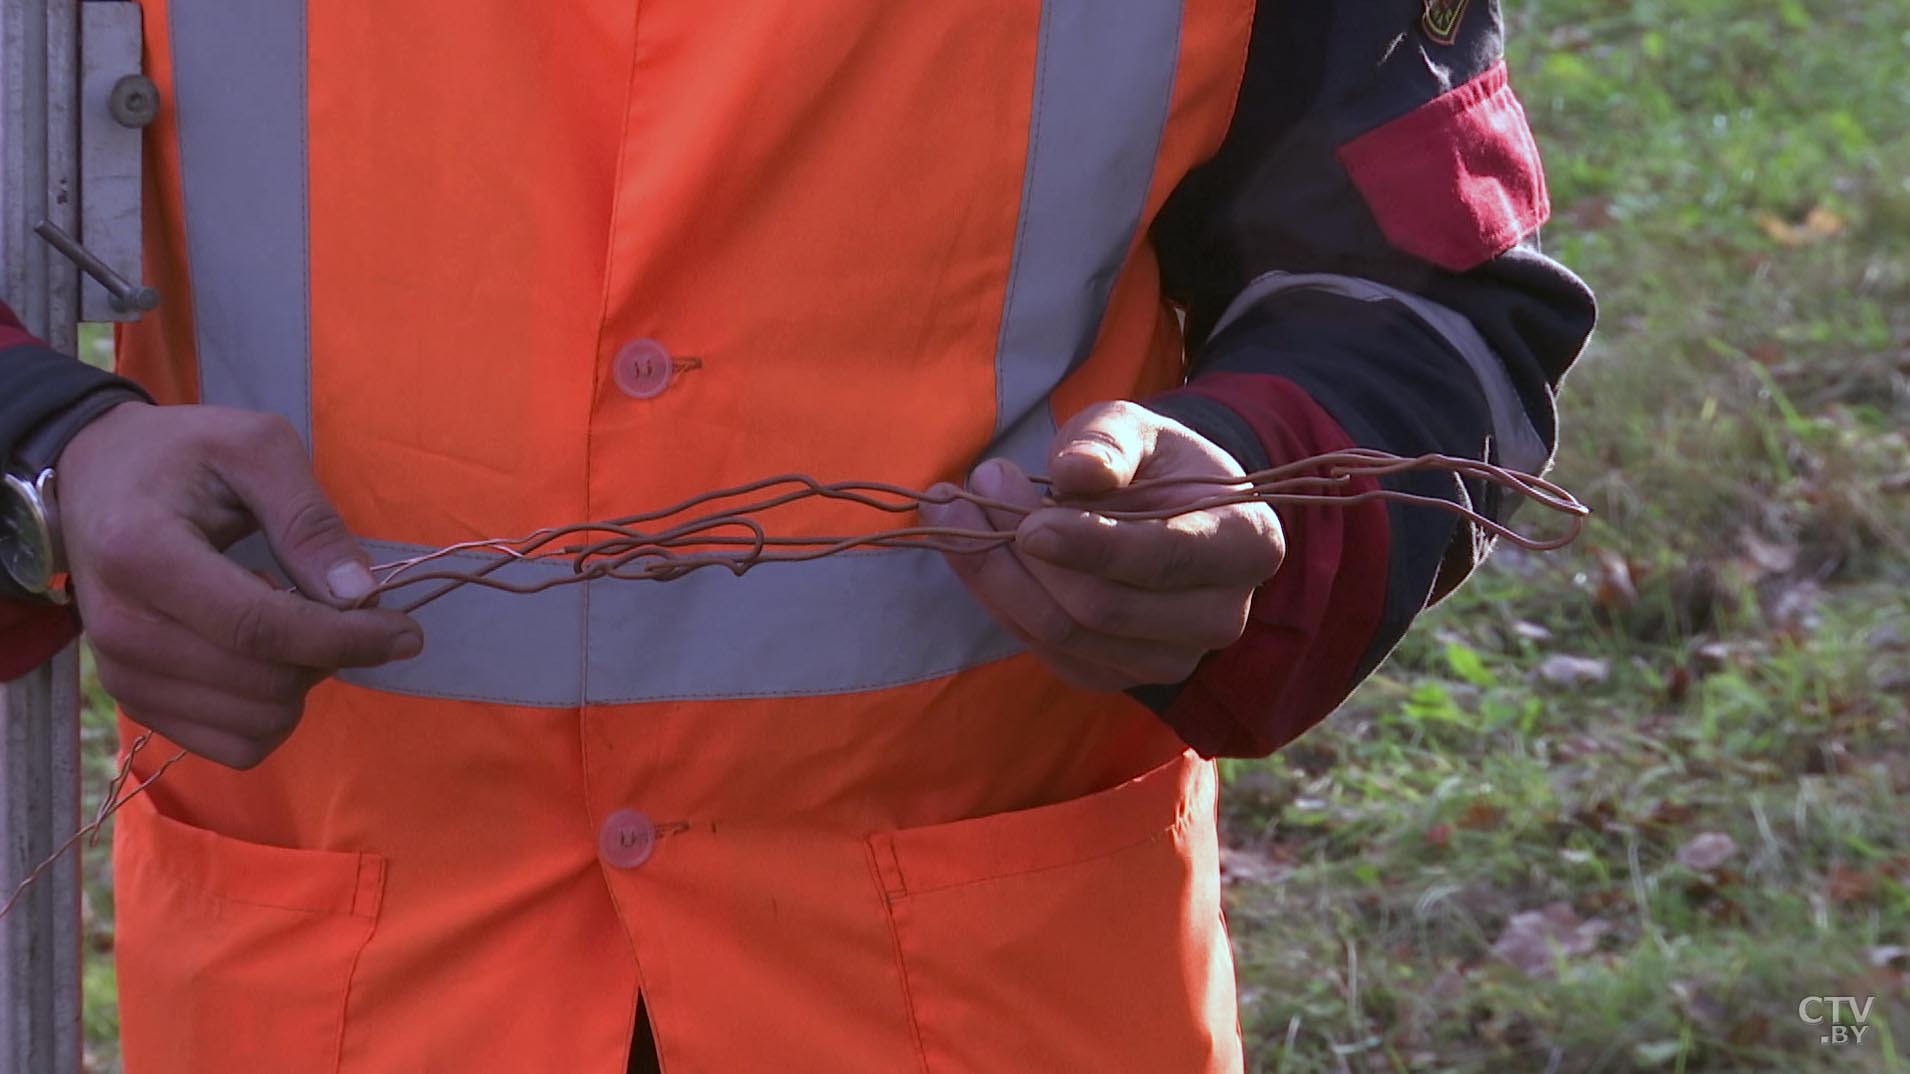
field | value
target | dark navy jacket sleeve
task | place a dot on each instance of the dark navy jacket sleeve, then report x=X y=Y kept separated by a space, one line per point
x=37 y=385
x=1359 y=265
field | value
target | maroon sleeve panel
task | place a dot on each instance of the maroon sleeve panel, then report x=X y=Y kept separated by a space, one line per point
x=31 y=633
x=1456 y=181
x=12 y=333
x=1311 y=624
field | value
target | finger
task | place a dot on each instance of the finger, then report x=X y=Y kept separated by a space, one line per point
x=1003 y=480
x=1087 y=675
x=1205 y=617
x=273 y=478
x=156 y=645
x=232 y=730
x=223 y=747
x=994 y=479
x=181 y=577
x=1002 y=583
x=997 y=579
x=943 y=507
x=1233 y=546
x=1210 y=617
x=1082 y=657
x=1100 y=449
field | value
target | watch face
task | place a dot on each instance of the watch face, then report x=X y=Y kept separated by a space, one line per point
x=25 y=553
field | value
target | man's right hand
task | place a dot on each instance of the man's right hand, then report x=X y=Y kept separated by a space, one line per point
x=191 y=644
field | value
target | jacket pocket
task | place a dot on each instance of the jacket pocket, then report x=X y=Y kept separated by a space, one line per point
x=234 y=956
x=1083 y=936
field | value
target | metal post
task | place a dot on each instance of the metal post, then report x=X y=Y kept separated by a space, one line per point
x=39 y=715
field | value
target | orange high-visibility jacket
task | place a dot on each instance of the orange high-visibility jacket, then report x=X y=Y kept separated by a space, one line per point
x=466 y=249
x=510 y=265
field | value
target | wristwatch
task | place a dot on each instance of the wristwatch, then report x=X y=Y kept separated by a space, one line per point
x=32 y=553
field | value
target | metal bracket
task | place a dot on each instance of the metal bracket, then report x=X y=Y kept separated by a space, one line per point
x=115 y=102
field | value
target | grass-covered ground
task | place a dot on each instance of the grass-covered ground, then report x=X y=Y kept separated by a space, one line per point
x=1646 y=860
x=1642 y=859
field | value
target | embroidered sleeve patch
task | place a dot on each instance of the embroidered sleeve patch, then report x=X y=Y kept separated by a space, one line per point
x=1443 y=18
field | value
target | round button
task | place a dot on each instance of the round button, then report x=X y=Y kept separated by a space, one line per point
x=626 y=839
x=642 y=369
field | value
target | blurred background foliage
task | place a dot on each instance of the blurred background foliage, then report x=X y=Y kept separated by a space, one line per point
x=1624 y=807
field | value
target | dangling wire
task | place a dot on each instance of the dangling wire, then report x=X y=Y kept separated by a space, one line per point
x=109 y=805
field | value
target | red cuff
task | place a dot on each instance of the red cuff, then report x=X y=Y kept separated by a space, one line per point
x=30 y=635
x=1456 y=181
x=12 y=333
x=1310 y=625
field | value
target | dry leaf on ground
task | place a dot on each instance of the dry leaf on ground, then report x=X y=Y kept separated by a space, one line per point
x=1563 y=669
x=1533 y=940
x=1707 y=851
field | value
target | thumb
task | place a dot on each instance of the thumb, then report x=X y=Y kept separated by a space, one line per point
x=1099 y=450
x=308 y=536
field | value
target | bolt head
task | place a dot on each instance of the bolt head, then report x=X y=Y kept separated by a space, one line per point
x=134 y=101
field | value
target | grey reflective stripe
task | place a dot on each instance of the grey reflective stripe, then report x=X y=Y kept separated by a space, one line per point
x=838 y=625
x=1520 y=446
x=239 y=89
x=1104 y=80
x=857 y=622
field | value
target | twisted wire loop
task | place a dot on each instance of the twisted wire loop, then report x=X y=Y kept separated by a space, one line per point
x=730 y=535
x=111 y=802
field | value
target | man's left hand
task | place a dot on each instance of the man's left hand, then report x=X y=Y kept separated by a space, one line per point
x=1112 y=604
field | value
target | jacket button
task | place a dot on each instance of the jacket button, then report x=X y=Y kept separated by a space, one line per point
x=626 y=839
x=642 y=369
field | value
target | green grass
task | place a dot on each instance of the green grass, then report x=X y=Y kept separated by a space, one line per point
x=1739 y=427
x=99 y=740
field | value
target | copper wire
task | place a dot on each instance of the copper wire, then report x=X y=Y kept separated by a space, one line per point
x=734 y=538
x=111 y=803
x=618 y=549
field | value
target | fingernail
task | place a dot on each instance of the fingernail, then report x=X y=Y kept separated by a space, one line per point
x=407 y=646
x=350 y=580
x=987 y=479
x=935 y=502
x=1089 y=449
